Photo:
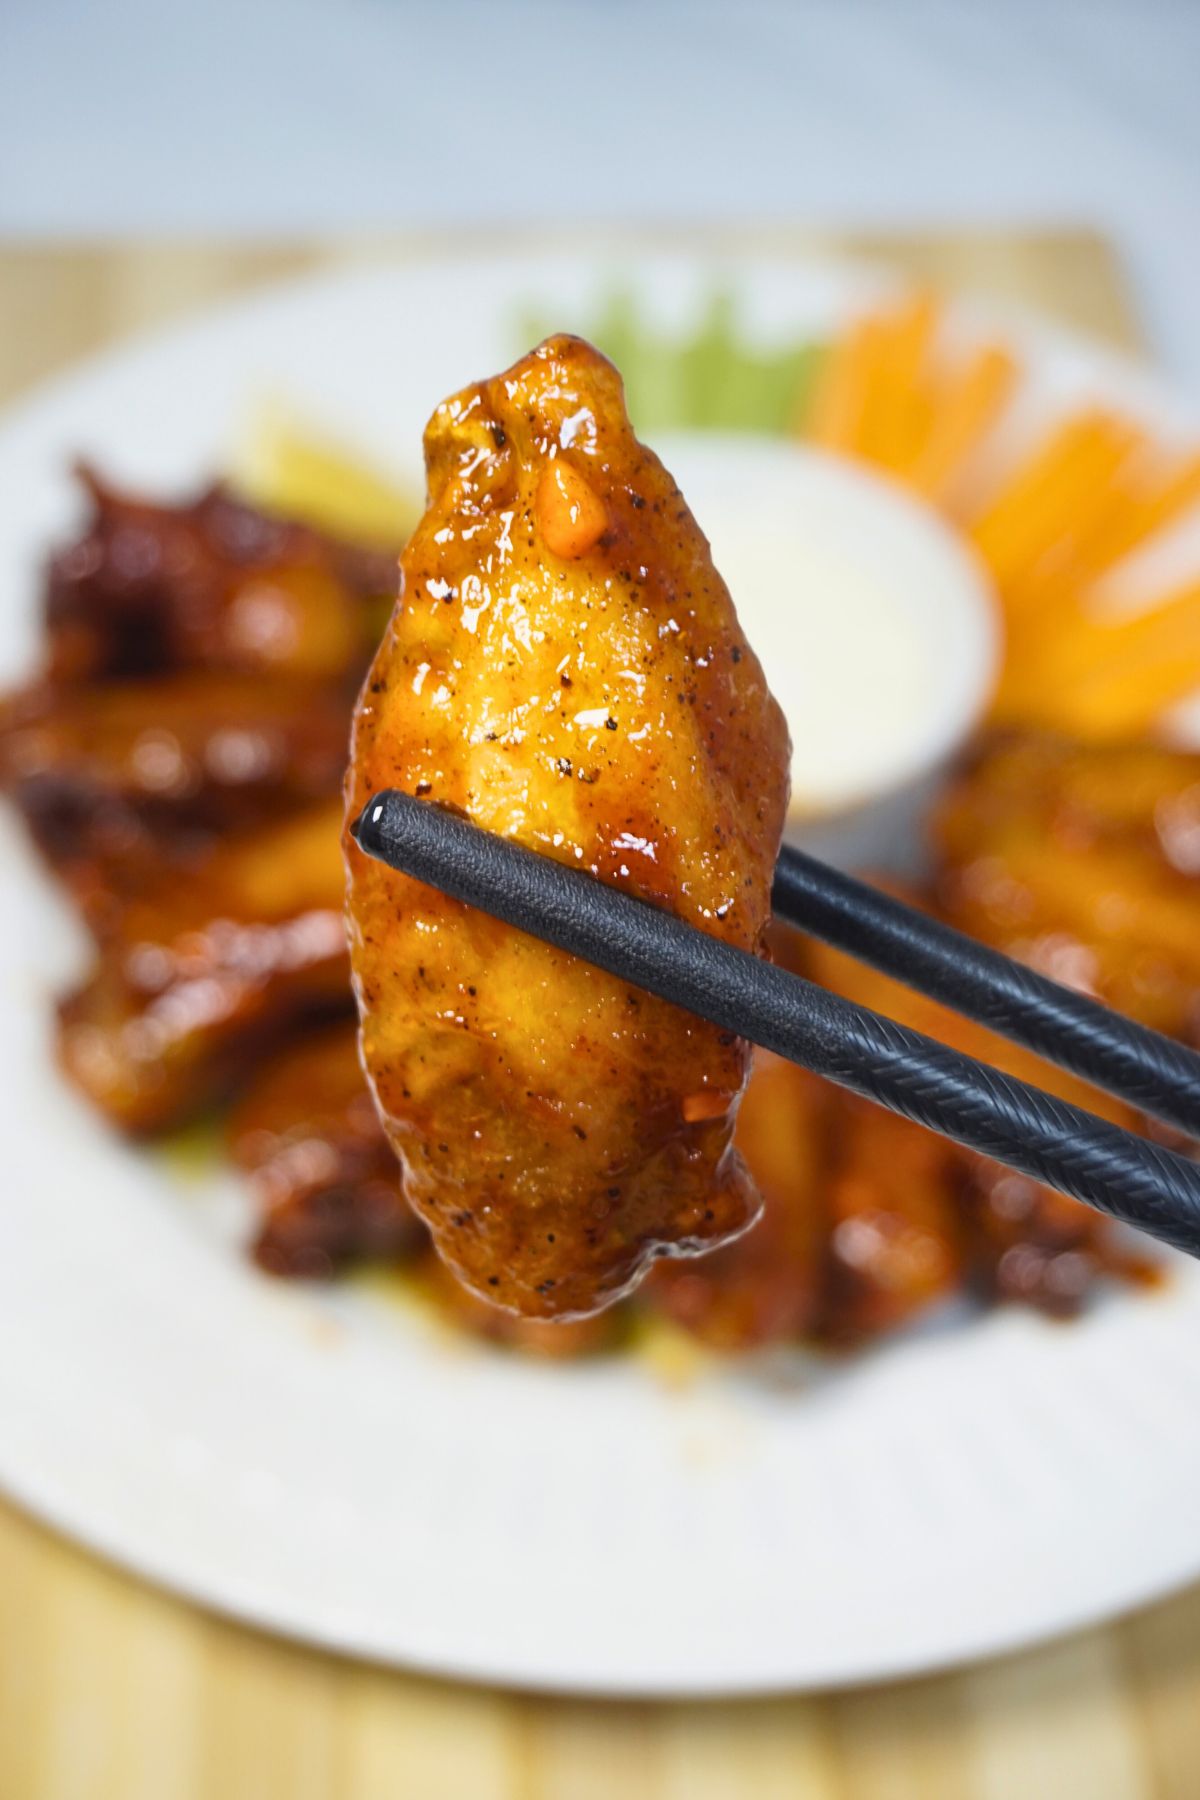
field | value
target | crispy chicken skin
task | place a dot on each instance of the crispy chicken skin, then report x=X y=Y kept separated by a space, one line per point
x=564 y=666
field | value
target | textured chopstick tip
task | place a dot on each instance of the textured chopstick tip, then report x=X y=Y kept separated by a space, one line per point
x=365 y=828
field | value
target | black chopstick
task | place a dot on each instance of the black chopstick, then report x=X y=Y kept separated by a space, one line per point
x=1072 y=1150
x=1153 y=1073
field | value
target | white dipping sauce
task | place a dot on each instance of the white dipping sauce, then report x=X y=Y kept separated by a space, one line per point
x=873 y=622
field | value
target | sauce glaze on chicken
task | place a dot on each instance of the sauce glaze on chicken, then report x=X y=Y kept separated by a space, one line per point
x=565 y=667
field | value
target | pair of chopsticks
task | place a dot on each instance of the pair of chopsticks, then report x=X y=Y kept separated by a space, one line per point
x=1137 y=1182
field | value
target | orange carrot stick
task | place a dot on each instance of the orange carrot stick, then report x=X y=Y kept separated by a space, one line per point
x=1019 y=492
x=1098 y=491
x=1104 y=678
x=1048 y=613
x=838 y=405
x=895 y=401
x=1027 y=516
x=963 y=414
x=1157 y=501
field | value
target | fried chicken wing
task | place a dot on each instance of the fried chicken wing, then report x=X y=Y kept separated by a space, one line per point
x=896 y=1231
x=914 y=1217
x=321 y=1170
x=216 y=585
x=1029 y=1244
x=198 y=979
x=122 y=775
x=564 y=665
x=1085 y=862
x=323 y=1176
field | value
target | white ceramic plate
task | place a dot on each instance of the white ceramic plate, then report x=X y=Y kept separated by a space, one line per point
x=328 y=1464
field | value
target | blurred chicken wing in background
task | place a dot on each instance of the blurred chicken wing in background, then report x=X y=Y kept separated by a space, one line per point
x=1084 y=862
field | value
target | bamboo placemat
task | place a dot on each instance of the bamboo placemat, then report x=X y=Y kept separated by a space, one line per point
x=110 y=1690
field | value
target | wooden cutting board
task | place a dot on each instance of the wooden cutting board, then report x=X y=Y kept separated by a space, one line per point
x=110 y=1690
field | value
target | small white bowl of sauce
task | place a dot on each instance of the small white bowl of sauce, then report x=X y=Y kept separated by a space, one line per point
x=875 y=624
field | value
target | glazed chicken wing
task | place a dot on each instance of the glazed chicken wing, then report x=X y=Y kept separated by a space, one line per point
x=565 y=667
x=321 y=1171
x=913 y=1216
x=1085 y=862
x=112 y=778
x=200 y=978
x=323 y=1177
x=211 y=585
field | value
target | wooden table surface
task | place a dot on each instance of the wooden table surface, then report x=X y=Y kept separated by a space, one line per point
x=110 y=1690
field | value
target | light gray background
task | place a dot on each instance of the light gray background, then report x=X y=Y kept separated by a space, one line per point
x=263 y=116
